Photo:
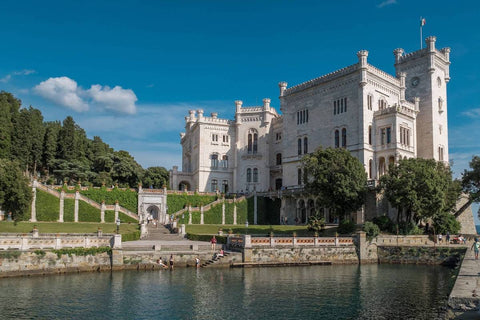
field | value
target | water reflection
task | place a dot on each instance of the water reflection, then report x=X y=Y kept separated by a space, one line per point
x=317 y=292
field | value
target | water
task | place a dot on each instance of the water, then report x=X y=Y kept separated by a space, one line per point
x=316 y=292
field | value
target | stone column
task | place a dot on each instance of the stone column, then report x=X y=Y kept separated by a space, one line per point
x=117 y=208
x=102 y=212
x=189 y=214
x=117 y=241
x=33 y=217
x=234 y=213
x=182 y=230
x=58 y=242
x=362 y=247
x=201 y=214
x=255 y=208
x=62 y=206
x=77 y=196
x=223 y=211
x=247 y=241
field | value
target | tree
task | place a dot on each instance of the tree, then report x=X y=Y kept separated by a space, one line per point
x=471 y=184
x=336 y=178
x=9 y=107
x=156 y=177
x=66 y=140
x=15 y=194
x=50 y=145
x=422 y=188
x=126 y=171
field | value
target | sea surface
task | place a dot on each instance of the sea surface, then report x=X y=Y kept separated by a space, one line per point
x=478 y=229
x=314 y=292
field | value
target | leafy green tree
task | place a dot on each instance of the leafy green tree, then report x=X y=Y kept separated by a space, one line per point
x=72 y=171
x=66 y=140
x=156 y=177
x=37 y=132
x=15 y=194
x=9 y=106
x=126 y=171
x=336 y=178
x=422 y=188
x=50 y=145
x=22 y=139
x=471 y=184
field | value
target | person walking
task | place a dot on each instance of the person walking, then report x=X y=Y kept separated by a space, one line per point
x=448 y=238
x=213 y=242
x=171 y=262
x=476 y=248
x=197 y=262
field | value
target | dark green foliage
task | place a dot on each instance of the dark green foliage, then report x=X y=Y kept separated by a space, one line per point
x=47 y=206
x=52 y=130
x=177 y=202
x=229 y=212
x=125 y=170
x=126 y=198
x=109 y=216
x=9 y=106
x=346 y=227
x=15 y=194
x=371 y=229
x=131 y=236
x=384 y=223
x=206 y=237
x=156 y=177
x=82 y=251
x=336 y=178
x=214 y=215
x=268 y=210
x=10 y=254
x=408 y=228
x=471 y=183
x=242 y=212
x=68 y=210
x=316 y=223
x=446 y=222
x=196 y=217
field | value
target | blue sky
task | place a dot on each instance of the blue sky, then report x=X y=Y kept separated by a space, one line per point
x=128 y=71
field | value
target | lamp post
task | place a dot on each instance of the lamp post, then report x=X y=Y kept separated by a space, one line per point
x=118 y=225
x=246 y=226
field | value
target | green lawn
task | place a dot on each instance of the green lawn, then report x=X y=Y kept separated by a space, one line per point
x=66 y=227
x=258 y=229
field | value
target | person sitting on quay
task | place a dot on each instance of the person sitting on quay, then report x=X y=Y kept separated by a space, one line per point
x=161 y=264
x=219 y=254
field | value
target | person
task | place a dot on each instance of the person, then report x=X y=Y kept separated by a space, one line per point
x=448 y=237
x=286 y=220
x=218 y=254
x=197 y=262
x=161 y=264
x=171 y=262
x=476 y=247
x=439 y=238
x=213 y=242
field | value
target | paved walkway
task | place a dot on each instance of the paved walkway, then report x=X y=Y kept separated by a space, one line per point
x=465 y=296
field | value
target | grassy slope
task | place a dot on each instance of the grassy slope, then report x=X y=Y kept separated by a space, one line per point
x=56 y=227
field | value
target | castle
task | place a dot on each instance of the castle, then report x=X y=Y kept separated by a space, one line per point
x=378 y=117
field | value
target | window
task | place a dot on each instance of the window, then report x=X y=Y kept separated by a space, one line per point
x=369 y=102
x=255 y=143
x=225 y=138
x=305 y=145
x=337 y=139
x=440 y=153
x=250 y=142
x=370 y=135
x=214 y=185
x=302 y=116
x=278 y=136
x=249 y=175
x=255 y=175
x=382 y=136
x=279 y=159
x=440 y=128
x=299 y=146
x=299 y=177
x=370 y=168
x=340 y=106
x=344 y=138
x=214 y=137
x=225 y=186
x=382 y=104
x=214 y=160
x=389 y=135
x=440 y=105
x=405 y=136
x=225 y=161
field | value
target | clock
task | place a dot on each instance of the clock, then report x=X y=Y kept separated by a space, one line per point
x=415 y=81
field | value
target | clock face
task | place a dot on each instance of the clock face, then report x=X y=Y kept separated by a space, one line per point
x=415 y=81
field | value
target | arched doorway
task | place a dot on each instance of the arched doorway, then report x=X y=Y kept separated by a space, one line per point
x=184 y=186
x=278 y=184
x=311 y=208
x=153 y=212
x=302 y=212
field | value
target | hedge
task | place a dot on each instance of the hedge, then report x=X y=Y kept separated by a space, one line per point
x=47 y=206
x=126 y=198
x=177 y=202
x=206 y=237
x=68 y=210
x=87 y=213
x=214 y=215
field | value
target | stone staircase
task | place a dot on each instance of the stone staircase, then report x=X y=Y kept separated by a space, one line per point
x=161 y=233
x=220 y=260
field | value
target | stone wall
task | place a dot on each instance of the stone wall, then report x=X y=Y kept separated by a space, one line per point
x=420 y=255
x=336 y=255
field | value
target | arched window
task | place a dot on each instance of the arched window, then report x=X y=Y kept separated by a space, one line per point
x=299 y=177
x=279 y=159
x=278 y=184
x=299 y=146
x=225 y=161
x=337 y=139
x=370 y=135
x=370 y=169
x=391 y=161
x=440 y=105
x=255 y=175
x=305 y=145
x=250 y=142
x=381 y=166
x=214 y=160
x=344 y=138
x=214 y=185
x=255 y=143
x=382 y=104
x=249 y=175
x=369 y=102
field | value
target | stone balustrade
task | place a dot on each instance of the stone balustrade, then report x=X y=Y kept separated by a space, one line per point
x=57 y=241
x=249 y=241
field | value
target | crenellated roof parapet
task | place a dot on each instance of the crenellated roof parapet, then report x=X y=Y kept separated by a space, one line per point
x=383 y=75
x=407 y=109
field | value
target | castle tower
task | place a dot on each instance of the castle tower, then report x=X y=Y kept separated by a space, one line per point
x=427 y=75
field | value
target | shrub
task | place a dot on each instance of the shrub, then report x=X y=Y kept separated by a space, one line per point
x=384 y=223
x=206 y=237
x=446 y=222
x=409 y=228
x=126 y=198
x=371 y=229
x=131 y=236
x=316 y=223
x=346 y=227
x=177 y=202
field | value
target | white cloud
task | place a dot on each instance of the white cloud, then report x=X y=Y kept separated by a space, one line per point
x=116 y=99
x=473 y=113
x=63 y=91
x=386 y=3
x=9 y=76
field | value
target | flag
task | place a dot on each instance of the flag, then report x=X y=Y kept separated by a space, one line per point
x=422 y=22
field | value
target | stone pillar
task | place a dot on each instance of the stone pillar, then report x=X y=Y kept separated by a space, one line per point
x=183 y=230
x=272 y=241
x=234 y=213
x=363 y=65
x=201 y=214
x=223 y=211
x=189 y=215
x=62 y=206
x=315 y=241
x=117 y=241
x=117 y=208
x=247 y=241
x=24 y=245
x=143 y=230
x=255 y=202
x=35 y=232
x=117 y=257
x=402 y=76
x=58 y=242
x=362 y=247
x=77 y=197
x=33 y=217
x=102 y=212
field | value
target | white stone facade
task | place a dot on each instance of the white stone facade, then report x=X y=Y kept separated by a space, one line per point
x=378 y=117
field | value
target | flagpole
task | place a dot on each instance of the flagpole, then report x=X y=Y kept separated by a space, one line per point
x=421 y=26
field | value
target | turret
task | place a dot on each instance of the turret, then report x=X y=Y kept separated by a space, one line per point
x=282 y=86
x=266 y=104
x=398 y=54
x=402 y=76
x=362 y=62
x=200 y=114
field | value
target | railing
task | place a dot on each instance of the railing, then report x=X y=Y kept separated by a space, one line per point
x=248 y=241
x=54 y=241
